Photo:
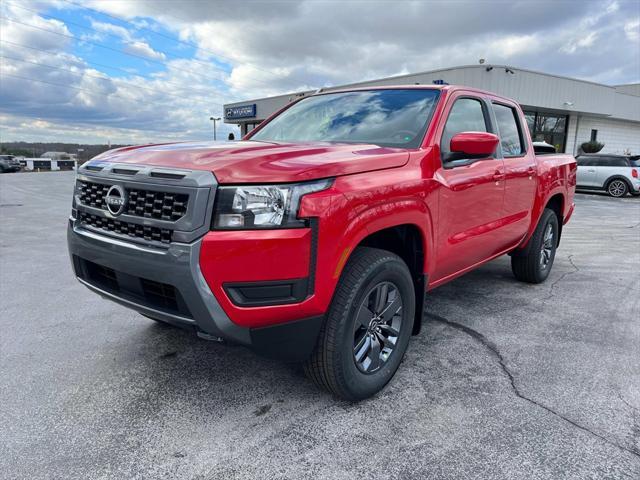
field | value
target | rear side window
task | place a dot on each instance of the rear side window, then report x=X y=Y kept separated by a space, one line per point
x=466 y=115
x=509 y=130
x=619 y=162
x=605 y=161
x=587 y=161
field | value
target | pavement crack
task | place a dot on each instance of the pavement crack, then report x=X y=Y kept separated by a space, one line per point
x=635 y=412
x=562 y=277
x=626 y=402
x=491 y=347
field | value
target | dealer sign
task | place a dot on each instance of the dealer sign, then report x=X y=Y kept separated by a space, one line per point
x=242 y=111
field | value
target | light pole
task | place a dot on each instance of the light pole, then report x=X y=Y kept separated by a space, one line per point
x=214 y=126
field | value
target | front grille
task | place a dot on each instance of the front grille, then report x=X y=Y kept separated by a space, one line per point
x=125 y=228
x=142 y=203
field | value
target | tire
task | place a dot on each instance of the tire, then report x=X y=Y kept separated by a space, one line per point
x=374 y=281
x=617 y=188
x=534 y=265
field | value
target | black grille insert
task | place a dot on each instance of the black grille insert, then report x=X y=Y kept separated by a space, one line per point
x=143 y=291
x=162 y=293
x=142 y=203
x=104 y=276
x=144 y=232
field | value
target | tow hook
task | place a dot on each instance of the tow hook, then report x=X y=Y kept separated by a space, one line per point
x=211 y=338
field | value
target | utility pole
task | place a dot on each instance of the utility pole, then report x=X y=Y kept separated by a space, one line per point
x=214 y=120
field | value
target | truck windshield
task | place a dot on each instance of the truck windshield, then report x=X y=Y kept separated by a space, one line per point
x=388 y=118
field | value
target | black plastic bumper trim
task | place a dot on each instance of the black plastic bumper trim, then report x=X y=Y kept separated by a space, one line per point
x=273 y=292
x=292 y=341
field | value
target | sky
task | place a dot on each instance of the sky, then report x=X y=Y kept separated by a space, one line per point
x=141 y=71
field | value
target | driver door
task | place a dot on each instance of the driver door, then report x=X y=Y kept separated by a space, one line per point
x=470 y=196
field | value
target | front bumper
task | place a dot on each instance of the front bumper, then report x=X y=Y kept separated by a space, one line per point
x=167 y=284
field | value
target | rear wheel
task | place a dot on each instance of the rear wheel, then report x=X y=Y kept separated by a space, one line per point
x=617 y=188
x=534 y=265
x=367 y=328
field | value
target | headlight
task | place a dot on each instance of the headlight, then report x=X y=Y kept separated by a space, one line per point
x=262 y=206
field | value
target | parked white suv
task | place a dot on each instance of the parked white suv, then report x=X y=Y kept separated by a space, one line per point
x=615 y=174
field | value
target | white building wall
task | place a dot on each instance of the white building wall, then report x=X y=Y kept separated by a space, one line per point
x=618 y=136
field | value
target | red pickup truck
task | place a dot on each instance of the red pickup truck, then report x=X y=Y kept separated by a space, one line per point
x=316 y=237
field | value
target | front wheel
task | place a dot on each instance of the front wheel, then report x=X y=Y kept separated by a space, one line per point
x=617 y=188
x=534 y=265
x=367 y=328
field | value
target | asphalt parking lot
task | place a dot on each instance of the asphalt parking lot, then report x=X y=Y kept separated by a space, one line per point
x=506 y=380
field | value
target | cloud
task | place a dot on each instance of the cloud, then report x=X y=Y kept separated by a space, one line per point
x=632 y=30
x=144 y=49
x=111 y=29
x=132 y=44
x=275 y=47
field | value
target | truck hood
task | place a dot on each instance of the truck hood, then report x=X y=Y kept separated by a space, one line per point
x=262 y=162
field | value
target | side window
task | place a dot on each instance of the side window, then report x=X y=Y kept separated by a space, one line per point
x=619 y=162
x=602 y=162
x=509 y=130
x=585 y=161
x=466 y=115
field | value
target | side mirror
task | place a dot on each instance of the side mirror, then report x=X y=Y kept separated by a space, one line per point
x=474 y=144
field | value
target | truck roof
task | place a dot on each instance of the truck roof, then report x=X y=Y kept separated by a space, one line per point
x=445 y=88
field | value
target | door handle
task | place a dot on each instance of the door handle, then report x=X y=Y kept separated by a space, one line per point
x=497 y=176
x=531 y=171
x=591 y=170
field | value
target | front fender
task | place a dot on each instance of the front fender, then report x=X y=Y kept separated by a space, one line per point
x=368 y=204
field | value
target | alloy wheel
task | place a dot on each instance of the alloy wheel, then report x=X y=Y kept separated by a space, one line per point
x=547 y=247
x=617 y=188
x=377 y=327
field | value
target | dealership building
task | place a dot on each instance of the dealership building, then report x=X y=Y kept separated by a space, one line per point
x=562 y=111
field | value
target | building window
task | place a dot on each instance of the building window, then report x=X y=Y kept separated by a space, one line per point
x=594 y=135
x=547 y=127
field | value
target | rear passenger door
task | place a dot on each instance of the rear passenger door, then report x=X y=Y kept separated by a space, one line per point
x=520 y=172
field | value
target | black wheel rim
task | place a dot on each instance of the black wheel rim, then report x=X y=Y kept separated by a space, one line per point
x=377 y=327
x=548 y=244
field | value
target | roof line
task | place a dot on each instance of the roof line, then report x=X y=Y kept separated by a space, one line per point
x=425 y=72
x=484 y=65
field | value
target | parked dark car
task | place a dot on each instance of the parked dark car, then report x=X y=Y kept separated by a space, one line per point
x=9 y=163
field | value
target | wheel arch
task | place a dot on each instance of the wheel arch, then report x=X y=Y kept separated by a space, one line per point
x=407 y=241
x=556 y=203
x=618 y=177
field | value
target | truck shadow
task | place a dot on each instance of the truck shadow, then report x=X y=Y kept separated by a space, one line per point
x=182 y=369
